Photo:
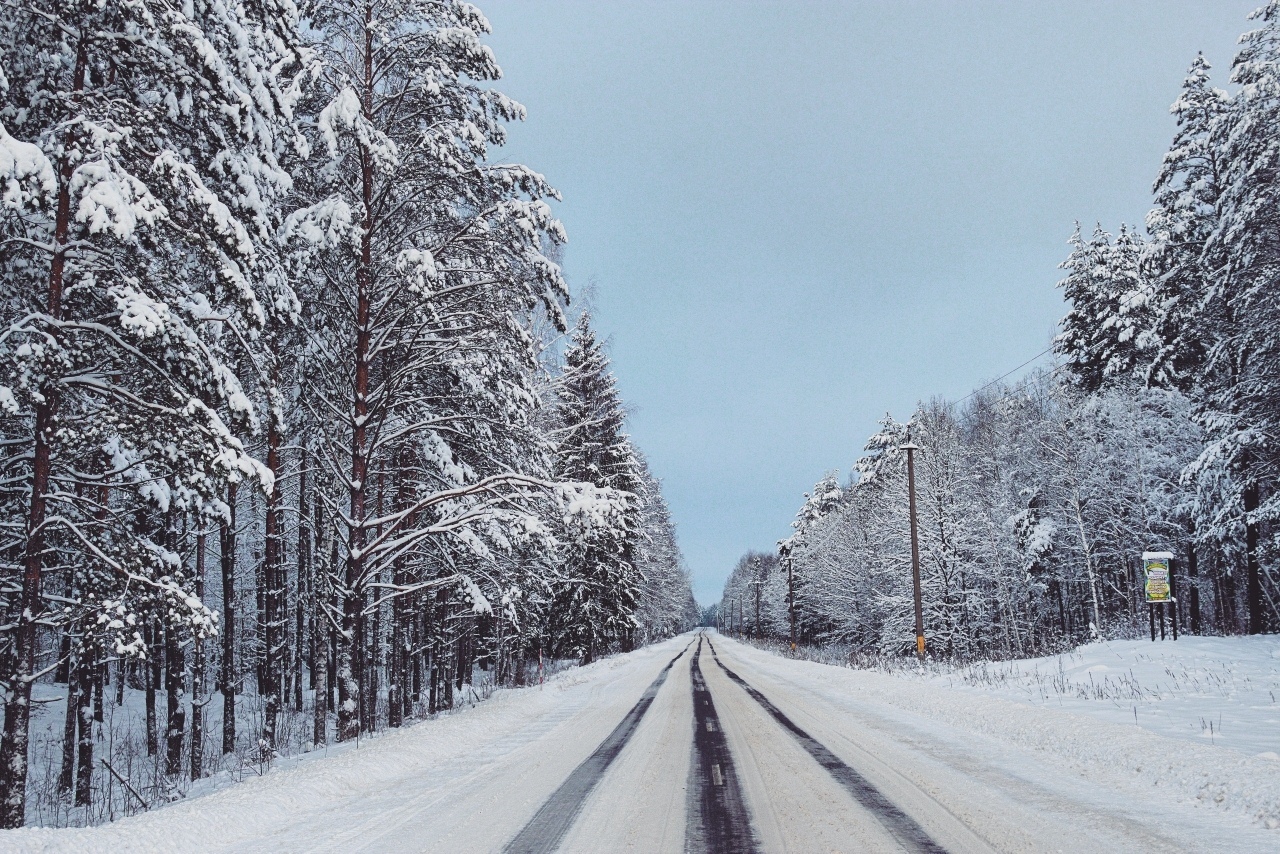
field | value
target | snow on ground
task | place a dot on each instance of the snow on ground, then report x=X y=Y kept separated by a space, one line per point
x=1223 y=692
x=1031 y=755
x=1078 y=709
x=351 y=796
x=120 y=741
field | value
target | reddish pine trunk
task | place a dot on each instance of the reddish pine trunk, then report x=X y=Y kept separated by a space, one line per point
x=151 y=675
x=353 y=594
x=227 y=676
x=304 y=585
x=1253 y=573
x=273 y=577
x=66 y=776
x=13 y=747
x=175 y=697
x=84 y=775
x=197 y=674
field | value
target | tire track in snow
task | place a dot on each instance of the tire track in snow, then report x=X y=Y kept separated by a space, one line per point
x=717 y=818
x=902 y=826
x=552 y=821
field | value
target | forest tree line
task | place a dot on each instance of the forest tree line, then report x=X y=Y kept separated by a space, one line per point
x=295 y=447
x=1158 y=429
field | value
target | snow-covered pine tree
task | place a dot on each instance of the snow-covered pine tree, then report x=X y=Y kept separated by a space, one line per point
x=432 y=262
x=139 y=168
x=596 y=595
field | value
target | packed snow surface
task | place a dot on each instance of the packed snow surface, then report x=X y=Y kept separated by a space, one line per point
x=979 y=772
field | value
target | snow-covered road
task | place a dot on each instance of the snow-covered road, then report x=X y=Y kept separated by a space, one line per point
x=705 y=744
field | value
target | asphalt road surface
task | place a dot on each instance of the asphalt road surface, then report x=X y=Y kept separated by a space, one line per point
x=697 y=744
x=699 y=750
x=717 y=758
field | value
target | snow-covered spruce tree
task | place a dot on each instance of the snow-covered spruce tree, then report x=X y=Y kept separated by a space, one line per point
x=1100 y=337
x=1185 y=215
x=1183 y=270
x=432 y=264
x=139 y=163
x=1204 y=330
x=1238 y=402
x=596 y=596
x=665 y=605
x=793 y=552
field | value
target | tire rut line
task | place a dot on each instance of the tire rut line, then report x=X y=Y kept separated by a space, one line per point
x=903 y=827
x=544 y=832
x=717 y=818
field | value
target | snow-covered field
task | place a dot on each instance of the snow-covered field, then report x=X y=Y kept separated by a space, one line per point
x=1223 y=692
x=986 y=759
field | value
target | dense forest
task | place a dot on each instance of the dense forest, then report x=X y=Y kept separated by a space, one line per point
x=1157 y=428
x=298 y=440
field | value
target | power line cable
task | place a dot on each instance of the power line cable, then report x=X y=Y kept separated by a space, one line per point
x=1125 y=303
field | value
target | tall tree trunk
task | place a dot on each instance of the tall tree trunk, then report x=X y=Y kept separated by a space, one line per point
x=273 y=576
x=1193 y=582
x=99 y=686
x=66 y=775
x=370 y=631
x=63 y=673
x=331 y=633
x=1252 y=573
x=416 y=640
x=151 y=674
x=1230 y=605
x=431 y=642
x=302 y=586
x=175 y=700
x=84 y=770
x=314 y=556
x=321 y=626
x=349 y=670
x=17 y=717
x=320 y=732
x=197 y=673
x=396 y=666
x=1087 y=549
x=227 y=677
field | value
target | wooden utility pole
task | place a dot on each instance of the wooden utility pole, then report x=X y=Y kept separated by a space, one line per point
x=791 y=601
x=910 y=447
x=757 y=584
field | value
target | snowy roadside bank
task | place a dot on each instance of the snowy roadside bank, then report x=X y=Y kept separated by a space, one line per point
x=265 y=813
x=1223 y=692
x=1091 y=737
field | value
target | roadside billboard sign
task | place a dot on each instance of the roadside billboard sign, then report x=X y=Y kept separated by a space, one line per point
x=1157 y=577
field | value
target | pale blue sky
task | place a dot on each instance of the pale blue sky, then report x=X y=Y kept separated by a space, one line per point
x=798 y=216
